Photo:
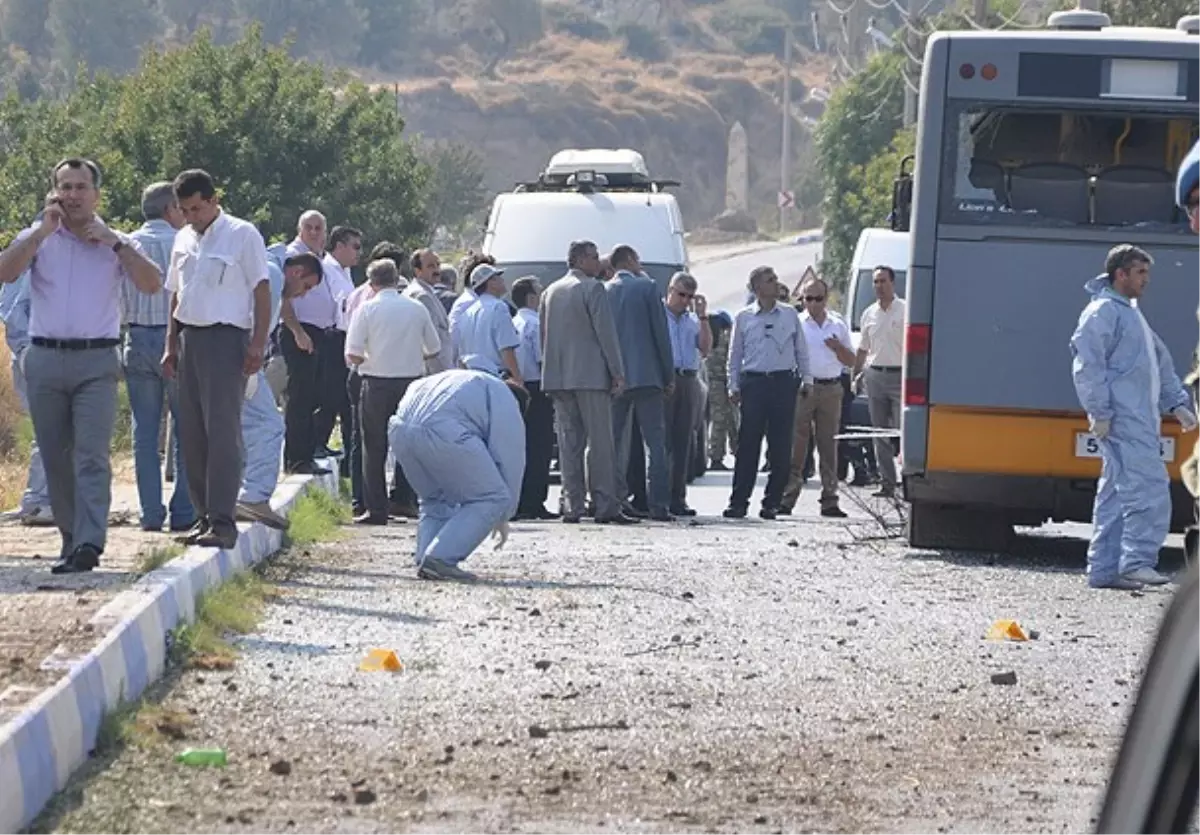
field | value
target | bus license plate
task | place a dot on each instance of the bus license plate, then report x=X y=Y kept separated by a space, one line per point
x=1086 y=446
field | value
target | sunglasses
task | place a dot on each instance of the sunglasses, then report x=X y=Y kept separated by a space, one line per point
x=814 y=298
x=684 y=294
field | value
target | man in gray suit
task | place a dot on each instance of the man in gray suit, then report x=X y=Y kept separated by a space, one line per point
x=582 y=372
x=649 y=373
x=427 y=269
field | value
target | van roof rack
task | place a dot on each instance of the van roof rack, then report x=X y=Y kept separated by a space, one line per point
x=596 y=169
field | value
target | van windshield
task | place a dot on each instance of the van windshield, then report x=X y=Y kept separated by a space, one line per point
x=549 y=271
x=864 y=295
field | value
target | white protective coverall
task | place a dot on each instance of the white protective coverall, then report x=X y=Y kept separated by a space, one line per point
x=460 y=438
x=1124 y=375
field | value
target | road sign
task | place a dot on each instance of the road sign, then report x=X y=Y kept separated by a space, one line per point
x=787 y=200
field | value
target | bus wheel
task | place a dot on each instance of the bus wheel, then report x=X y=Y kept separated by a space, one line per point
x=947 y=527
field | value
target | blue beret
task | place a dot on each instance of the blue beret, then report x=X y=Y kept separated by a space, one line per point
x=1189 y=176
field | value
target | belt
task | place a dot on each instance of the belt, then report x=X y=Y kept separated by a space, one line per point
x=686 y=372
x=74 y=344
x=828 y=381
x=891 y=369
x=147 y=327
x=770 y=375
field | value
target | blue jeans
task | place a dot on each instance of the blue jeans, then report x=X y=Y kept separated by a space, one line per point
x=262 y=439
x=147 y=387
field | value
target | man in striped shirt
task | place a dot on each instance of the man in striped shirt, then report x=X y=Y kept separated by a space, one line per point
x=145 y=316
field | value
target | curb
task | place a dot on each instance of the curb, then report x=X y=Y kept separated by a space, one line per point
x=43 y=745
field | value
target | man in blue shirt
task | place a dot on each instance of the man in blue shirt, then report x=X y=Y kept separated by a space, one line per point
x=460 y=438
x=486 y=339
x=691 y=340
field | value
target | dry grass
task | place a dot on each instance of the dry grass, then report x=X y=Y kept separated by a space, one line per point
x=15 y=434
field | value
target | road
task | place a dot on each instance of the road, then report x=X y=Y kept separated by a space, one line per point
x=723 y=278
x=803 y=674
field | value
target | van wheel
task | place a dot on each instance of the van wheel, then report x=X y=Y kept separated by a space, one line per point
x=952 y=528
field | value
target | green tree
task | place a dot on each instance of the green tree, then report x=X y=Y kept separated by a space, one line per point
x=859 y=124
x=456 y=190
x=280 y=135
x=187 y=16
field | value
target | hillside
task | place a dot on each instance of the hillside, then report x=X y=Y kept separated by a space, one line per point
x=515 y=80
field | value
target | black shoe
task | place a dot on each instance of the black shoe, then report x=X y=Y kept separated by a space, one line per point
x=768 y=513
x=619 y=519
x=400 y=510
x=682 y=510
x=885 y=493
x=82 y=559
x=308 y=468
x=718 y=466
x=370 y=519
x=732 y=512
x=545 y=515
x=193 y=533
x=661 y=516
x=633 y=512
x=859 y=481
x=223 y=537
x=326 y=452
x=570 y=519
x=833 y=512
x=783 y=511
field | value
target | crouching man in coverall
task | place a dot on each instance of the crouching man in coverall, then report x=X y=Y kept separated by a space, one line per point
x=1125 y=380
x=460 y=438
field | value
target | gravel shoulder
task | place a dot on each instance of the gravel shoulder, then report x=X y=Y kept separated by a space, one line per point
x=44 y=618
x=716 y=676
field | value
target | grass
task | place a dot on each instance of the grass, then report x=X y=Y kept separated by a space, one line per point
x=232 y=609
x=316 y=516
x=157 y=557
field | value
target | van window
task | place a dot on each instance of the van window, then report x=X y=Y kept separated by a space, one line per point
x=864 y=296
x=549 y=271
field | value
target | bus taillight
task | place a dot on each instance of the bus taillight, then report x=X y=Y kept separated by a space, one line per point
x=967 y=71
x=916 y=365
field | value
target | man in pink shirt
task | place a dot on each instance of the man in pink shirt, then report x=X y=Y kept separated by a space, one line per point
x=77 y=267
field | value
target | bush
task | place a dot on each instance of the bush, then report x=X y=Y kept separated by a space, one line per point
x=755 y=28
x=644 y=43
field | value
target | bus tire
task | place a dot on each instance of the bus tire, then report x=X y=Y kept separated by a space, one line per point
x=953 y=528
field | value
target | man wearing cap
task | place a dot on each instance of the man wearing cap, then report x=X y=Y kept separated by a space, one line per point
x=487 y=339
x=78 y=265
x=389 y=339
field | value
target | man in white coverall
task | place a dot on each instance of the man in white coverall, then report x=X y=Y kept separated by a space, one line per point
x=460 y=438
x=1126 y=381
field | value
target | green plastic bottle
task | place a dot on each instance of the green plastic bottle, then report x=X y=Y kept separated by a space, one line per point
x=197 y=757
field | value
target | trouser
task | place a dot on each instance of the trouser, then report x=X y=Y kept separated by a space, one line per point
x=148 y=388
x=539 y=446
x=354 y=392
x=648 y=404
x=821 y=410
x=1132 y=514
x=723 y=431
x=883 y=399
x=36 y=493
x=462 y=493
x=683 y=409
x=380 y=397
x=212 y=391
x=303 y=395
x=334 y=403
x=73 y=403
x=262 y=440
x=768 y=410
x=635 y=466
x=585 y=425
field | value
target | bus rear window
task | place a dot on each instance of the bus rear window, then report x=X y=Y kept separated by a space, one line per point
x=1063 y=168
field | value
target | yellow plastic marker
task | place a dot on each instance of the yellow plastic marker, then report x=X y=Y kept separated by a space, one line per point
x=381 y=659
x=1006 y=630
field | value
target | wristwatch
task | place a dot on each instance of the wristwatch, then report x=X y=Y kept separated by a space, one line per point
x=118 y=246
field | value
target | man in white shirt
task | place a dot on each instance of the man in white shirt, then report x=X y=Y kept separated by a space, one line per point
x=829 y=352
x=216 y=338
x=345 y=244
x=388 y=342
x=881 y=351
x=539 y=414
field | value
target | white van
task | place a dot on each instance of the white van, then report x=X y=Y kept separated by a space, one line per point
x=601 y=195
x=875 y=247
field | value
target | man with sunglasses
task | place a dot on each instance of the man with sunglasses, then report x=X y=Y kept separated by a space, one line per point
x=830 y=351
x=691 y=340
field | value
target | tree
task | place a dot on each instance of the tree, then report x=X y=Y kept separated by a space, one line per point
x=456 y=190
x=23 y=24
x=106 y=35
x=859 y=124
x=274 y=131
x=188 y=15
x=318 y=28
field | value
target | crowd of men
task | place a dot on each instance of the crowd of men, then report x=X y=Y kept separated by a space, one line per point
x=276 y=347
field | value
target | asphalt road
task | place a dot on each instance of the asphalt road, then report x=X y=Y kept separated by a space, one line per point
x=800 y=675
x=723 y=279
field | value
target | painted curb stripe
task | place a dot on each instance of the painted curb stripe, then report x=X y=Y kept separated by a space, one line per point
x=54 y=734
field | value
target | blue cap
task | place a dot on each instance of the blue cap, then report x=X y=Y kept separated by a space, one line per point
x=1189 y=176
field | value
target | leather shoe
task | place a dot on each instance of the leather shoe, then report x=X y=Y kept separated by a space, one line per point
x=308 y=468
x=370 y=519
x=547 y=515
x=619 y=519
x=682 y=510
x=219 y=537
x=82 y=559
x=633 y=512
x=768 y=513
x=734 y=513
x=833 y=512
x=661 y=516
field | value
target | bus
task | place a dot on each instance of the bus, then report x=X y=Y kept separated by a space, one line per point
x=1037 y=151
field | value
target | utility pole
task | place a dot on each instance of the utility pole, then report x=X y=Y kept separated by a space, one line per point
x=785 y=151
x=980 y=13
x=912 y=71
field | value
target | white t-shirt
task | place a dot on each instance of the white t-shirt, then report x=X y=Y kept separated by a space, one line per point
x=214 y=274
